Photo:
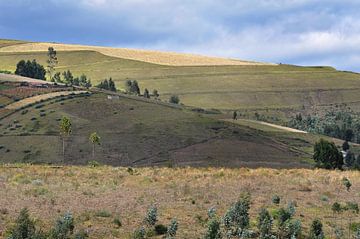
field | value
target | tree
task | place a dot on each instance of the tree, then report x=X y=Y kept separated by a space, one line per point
x=174 y=99
x=94 y=139
x=349 y=159
x=236 y=219
x=30 y=69
x=213 y=230
x=24 y=226
x=64 y=227
x=346 y=146
x=52 y=61
x=326 y=155
x=357 y=163
x=65 y=130
x=146 y=93
x=135 y=88
x=172 y=229
x=68 y=77
x=151 y=216
x=84 y=81
x=56 y=77
x=112 y=86
x=155 y=93
x=265 y=222
x=107 y=85
x=316 y=230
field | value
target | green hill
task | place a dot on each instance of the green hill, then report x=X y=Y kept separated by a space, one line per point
x=276 y=91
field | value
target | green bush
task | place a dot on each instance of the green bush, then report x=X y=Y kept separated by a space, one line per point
x=265 y=223
x=213 y=229
x=139 y=233
x=276 y=199
x=316 y=230
x=174 y=99
x=326 y=155
x=160 y=229
x=151 y=216
x=172 y=229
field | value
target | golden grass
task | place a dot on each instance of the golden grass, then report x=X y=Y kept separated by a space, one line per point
x=184 y=193
x=156 y=57
x=31 y=100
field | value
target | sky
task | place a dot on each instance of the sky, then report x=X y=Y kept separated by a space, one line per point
x=302 y=32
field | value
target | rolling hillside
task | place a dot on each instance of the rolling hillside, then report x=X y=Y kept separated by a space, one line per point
x=277 y=91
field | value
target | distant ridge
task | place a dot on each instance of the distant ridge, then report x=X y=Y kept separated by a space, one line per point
x=150 y=56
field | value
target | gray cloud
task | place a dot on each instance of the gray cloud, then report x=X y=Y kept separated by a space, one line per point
x=305 y=32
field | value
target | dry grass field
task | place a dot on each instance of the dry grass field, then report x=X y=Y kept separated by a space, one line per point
x=156 y=57
x=98 y=195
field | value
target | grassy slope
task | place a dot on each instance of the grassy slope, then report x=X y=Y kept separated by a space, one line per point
x=284 y=87
x=140 y=133
x=186 y=194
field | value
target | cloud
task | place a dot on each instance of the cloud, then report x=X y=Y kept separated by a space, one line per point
x=291 y=31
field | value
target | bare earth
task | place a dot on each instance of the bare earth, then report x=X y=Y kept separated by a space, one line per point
x=21 y=103
x=156 y=57
x=271 y=125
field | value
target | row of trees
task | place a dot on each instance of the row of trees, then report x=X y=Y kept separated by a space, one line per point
x=107 y=85
x=340 y=122
x=68 y=78
x=64 y=228
x=30 y=69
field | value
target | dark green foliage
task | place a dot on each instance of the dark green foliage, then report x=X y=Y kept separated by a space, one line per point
x=336 y=207
x=346 y=146
x=174 y=99
x=357 y=163
x=146 y=93
x=132 y=87
x=349 y=159
x=346 y=182
x=352 y=206
x=30 y=69
x=265 y=222
x=326 y=155
x=290 y=229
x=107 y=85
x=68 y=77
x=160 y=229
x=276 y=199
x=213 y=229
x=316 y=230
x=24 y=227
x=117 y=222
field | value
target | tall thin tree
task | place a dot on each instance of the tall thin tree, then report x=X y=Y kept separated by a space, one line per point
x=94 y=139
x=65 y=130
x=52 y=61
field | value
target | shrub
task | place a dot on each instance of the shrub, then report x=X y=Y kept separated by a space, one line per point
x=316 y=230
x=265 y=224
x=24 y=226
x=336 y=207
x=174 y=99
x=346 y=182
x=151 y=216
x=139 y=233
x=236 y=219
x=357 y=234
x=160 y=229
x=117 y=222
x=93 y=163
x=326 y=155
x=213 y=229
x=63 y=228
x=172 y=229
x=276 y=199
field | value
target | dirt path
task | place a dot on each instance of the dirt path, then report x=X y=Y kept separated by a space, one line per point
x=21 y=103
x=268 y=124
